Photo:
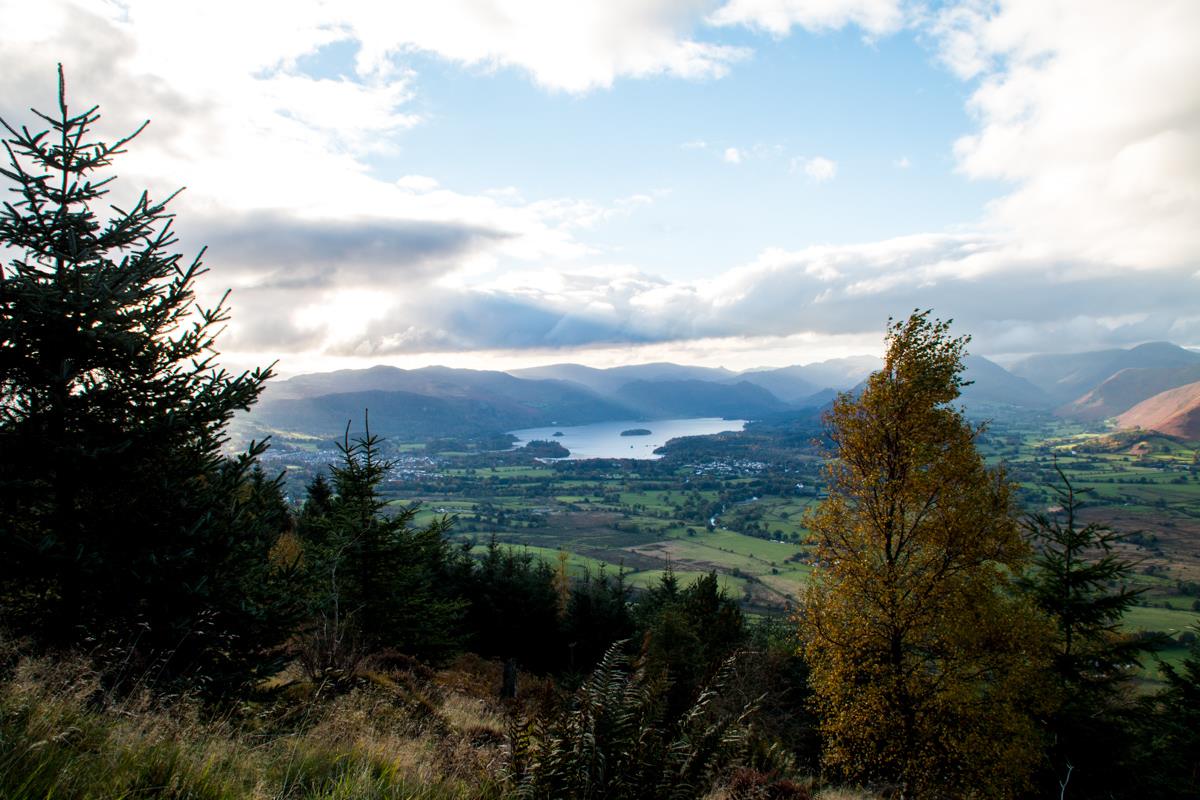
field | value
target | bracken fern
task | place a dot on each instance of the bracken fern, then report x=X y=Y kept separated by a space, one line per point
x=616 y=742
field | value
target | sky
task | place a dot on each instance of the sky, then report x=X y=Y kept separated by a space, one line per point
x=742 y=183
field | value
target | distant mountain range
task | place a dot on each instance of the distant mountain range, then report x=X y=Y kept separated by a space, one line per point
x=609 y=381
x=1067 y=377
x=439 y=401
x=429 y=402
x=1126 y=388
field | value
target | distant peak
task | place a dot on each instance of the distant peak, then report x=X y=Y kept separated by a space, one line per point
x=1159 y=346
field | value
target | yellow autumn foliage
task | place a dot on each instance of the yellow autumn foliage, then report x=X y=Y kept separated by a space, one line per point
x=927 y=667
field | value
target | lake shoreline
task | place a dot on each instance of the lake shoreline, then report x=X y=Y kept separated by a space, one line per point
x=605 y=439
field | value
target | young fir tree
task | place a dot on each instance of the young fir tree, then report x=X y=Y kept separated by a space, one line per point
x=598 y=614
x=121 y=520
x=926 y=669
x=1075 y=572
x=513 y=609
x=1083 y=585
x=376 y=582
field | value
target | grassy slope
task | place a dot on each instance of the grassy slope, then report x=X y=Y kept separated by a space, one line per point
x=385 y=740
x=414 y=735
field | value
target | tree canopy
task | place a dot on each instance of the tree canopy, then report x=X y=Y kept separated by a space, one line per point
x=925 y=665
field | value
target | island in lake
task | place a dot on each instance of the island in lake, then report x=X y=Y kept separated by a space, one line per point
x=636 y=432
x=540 y=448
x=558 y=433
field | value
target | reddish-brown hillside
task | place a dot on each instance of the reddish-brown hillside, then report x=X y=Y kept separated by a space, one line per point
x=1175 y=412
x=1126 y=388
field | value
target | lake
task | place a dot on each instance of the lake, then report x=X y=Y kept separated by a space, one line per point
x=604 y=439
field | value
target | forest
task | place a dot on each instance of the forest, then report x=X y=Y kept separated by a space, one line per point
x=179 y=621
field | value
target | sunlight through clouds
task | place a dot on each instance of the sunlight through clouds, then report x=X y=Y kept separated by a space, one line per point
x=344 y=238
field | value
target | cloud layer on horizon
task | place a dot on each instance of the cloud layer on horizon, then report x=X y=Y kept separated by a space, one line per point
x=1089 y=115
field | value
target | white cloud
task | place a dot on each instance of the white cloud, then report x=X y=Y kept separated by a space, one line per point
x=902 y=163
x=418 y=183
x=273 y=160
x=778 y=17
x=818 y=168
x=1092 y=112
x=574 y=47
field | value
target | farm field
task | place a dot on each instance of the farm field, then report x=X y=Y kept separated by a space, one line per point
x=695 y=512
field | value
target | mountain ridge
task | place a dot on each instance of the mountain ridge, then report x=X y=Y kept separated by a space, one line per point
x=1068 y=376
x=1175 y=412
x=1125 y=388
x=434 y=400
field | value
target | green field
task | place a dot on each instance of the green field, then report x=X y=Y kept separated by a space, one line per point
x=647 y=578
x=1166 y=620
x=641 y=517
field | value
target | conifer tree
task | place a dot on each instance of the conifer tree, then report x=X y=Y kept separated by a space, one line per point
x=1082 y=583
x=377 y=582
x=598 y=614
x=512 y=607
x=925 y=666
x=1174 y=737
x=687 y=634
x=122 y=521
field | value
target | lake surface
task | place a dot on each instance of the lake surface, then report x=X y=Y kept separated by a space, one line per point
x=604 y=439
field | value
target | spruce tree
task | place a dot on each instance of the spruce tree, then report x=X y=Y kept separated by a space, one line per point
x=1082 y=583
x=122 y=520
x=376 y=581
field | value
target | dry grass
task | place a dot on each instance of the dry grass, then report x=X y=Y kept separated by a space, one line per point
x=393 y=736
x=403 y=732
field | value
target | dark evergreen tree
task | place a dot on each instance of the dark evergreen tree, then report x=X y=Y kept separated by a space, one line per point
x=1083 y=584
x=1173 y=735
x=376 y=582
x=318 y=500
x=598 y=614
x=687 y=634
x=121 y=519
x=512 y=608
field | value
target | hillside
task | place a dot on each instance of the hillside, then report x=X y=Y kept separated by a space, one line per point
x=1126 y=389
x=664 y=399
x=394 y=414
x=1175 y=412
x=787 y=383
x=993 y=384
x=1066 y=377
